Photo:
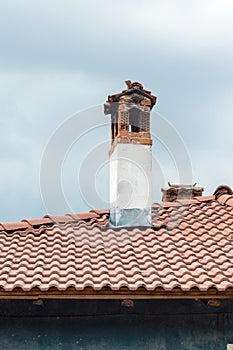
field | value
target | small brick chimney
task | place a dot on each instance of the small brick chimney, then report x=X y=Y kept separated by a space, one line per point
x=176 y=192
x=130 y=156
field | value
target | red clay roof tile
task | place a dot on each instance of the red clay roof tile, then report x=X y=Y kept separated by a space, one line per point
x=223 y=198
x=58 y=218
x=229 y=201
x=13 y=226
x=222 y=189
x=37 y=222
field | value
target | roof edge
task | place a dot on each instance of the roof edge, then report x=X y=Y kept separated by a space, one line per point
x=122 y=293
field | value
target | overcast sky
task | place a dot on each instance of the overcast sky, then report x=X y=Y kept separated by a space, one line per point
x=58 y=58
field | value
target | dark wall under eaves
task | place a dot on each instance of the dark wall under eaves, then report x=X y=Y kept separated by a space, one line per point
x=106 y=324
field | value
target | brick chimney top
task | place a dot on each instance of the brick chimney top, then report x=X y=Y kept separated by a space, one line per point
x=180 y=191
x=143 y=97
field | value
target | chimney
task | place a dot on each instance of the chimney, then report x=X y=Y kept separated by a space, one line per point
x=176 y=192
x=130 y=156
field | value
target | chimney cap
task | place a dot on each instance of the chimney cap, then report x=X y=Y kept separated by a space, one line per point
x=132 y=88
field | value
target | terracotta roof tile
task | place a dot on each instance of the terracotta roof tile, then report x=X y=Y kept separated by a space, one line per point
x=189 y=247
x=58 y=219
x=37 y=222
x=205 y=199
x=13 y=226
x=229 y=201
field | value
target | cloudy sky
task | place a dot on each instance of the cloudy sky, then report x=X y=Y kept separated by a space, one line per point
x=61 y=58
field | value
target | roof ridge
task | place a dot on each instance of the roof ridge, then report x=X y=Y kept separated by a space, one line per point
x=26 y=225
x=223 y=194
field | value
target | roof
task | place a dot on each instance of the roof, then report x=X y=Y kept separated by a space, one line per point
x=188 y=252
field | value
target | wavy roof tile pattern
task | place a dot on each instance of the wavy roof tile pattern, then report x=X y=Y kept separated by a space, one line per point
x=189 y=248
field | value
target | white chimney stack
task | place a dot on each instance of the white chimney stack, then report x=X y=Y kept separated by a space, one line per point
x=130 y=156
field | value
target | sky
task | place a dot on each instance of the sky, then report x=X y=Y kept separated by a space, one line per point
x=59 y=60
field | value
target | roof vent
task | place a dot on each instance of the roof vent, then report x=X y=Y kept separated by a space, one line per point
x=176 y=192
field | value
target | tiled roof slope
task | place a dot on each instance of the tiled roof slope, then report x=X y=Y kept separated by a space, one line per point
x=189 y=249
